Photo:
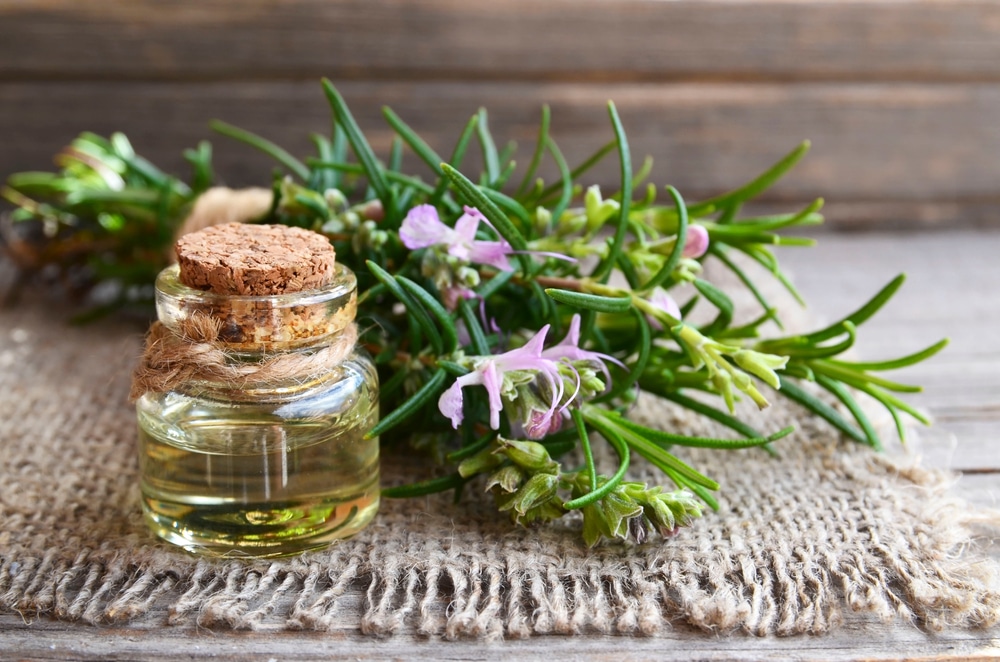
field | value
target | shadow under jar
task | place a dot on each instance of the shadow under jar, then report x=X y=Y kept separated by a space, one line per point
x=245 y=467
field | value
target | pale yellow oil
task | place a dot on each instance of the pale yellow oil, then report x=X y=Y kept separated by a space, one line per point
x=237 y=481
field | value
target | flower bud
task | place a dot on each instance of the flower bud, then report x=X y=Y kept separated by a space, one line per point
x=528 y=454
x=543 y=220
x=508 y=478
x=762 y=365
x=539 y=489
x=335 y=199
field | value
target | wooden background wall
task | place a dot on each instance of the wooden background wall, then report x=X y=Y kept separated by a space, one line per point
x=901 y=98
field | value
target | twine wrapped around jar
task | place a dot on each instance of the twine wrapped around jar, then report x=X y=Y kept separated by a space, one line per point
x=171 y=359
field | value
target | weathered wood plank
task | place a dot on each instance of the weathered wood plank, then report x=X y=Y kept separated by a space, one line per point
x=950 y=292
x=862 y=639
x=515 y=39
x=877 y=149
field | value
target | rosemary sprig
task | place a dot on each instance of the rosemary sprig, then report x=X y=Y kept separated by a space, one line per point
x=515 y=321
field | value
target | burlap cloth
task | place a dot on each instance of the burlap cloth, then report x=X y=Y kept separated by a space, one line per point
x=830 y=527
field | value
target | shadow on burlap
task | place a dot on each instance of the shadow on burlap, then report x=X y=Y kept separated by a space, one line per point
x=799 y=542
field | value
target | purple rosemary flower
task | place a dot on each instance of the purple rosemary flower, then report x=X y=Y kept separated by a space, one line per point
x=661 y=299
x=495 y=374
x=697 y=241
x=538 y=383
x=422 y=227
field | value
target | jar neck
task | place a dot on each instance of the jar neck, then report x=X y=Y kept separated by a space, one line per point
x=258 y=325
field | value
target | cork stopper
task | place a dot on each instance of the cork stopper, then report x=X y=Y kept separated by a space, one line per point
x=255 y=260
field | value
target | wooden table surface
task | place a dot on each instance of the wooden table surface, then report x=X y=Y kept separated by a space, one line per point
x=951 y=292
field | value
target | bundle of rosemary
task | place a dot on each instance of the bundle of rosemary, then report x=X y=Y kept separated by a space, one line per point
x=512 y=319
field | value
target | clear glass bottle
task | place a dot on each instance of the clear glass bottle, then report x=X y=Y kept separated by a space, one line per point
x=236 y=469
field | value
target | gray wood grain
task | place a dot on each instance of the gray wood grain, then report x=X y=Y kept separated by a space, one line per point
x=911 y=153
x=512 y=39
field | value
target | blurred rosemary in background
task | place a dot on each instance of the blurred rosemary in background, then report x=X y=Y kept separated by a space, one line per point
x=511 y=318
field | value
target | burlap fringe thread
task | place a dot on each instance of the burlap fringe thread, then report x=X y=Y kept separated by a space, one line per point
x=170 y=360
x=512 y=598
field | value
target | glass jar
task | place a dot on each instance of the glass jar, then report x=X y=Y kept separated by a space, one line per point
x=244 y=467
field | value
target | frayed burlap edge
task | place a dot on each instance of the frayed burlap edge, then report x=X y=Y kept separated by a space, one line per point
x=457 y=596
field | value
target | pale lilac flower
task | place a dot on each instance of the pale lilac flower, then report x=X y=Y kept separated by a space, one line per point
x=697 y=241
x=451 y=295
x=490 y=373
x=422 y=227
x=661 y=299
x=534 y=381
x=569 y=350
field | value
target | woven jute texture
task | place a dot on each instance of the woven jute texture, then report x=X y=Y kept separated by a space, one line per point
x=799 y=542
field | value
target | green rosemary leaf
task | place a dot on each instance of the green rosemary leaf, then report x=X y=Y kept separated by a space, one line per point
x=437 y=310
x=795 y=347
x=200 y=159
x=339 y=149
x=767 y=260
x=748 y=330
x=720 y=252
x=895 y=364
x=842 y=394
x=507 y=153
x=389 y=388
x=644 y=346
x=452 y=368
x=536 y=157
x=509 y=205
x=416 y=143
x=655 y=454
x=628 y=270
x=596 y=493
x=412 y=306
x=476 y=198
x=705 y=496
x=390 y=175
x=477 y=337
x=320 y=209
x=595 y=302
x=857 y=378
x=565 y=180
x=321 y=179
x=718 y=299
x=373 y=170
x=395 y=154
x=862 y=314
x=668 y=438
x=821 y=409
x=888 y=404
x=277 y=153
x=457 y=155
x=491 y=161
x=729 y=213
x=493 y=285
x=757 y=186
x=575 y=174
x=588 y=452
x=505 y=175
x=416 y=401
x=603 y=271
x=425 y=487
x=678 y=251
x=711 y=412
x=473 y=448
